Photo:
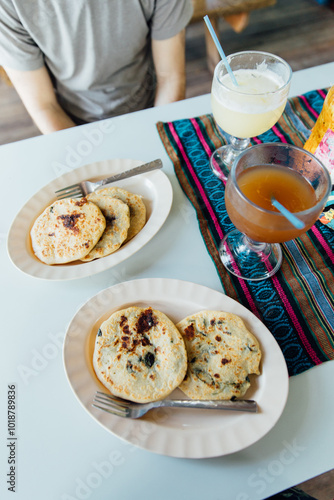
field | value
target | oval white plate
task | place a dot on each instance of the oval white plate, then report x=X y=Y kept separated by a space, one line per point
x=186 y=433
x=154 y=187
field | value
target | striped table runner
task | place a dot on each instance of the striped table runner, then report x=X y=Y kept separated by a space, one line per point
x=296 y=304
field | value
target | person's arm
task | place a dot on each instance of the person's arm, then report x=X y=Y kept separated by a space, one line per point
x=169 y=62
x=37 y=94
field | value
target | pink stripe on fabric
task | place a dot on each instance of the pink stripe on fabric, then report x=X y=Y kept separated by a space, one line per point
x=257 y=140
x=295 y=321
x=278 y=133
x=207 y=147
x=198 y=184
x=246 y=291
x=323 y=242
x=303 y=98
x=201 y=137
x=322 y=93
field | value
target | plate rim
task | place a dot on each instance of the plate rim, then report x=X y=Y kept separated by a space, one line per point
x=204 y=444
x=19 y=232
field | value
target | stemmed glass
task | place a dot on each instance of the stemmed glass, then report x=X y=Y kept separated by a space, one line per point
x=250 y=108
x=296 y=178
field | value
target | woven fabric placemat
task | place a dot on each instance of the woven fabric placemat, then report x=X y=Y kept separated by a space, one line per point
x=296 y=304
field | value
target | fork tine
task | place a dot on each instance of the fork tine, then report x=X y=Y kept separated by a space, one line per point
x=108 y=397
x=112 y=404
x=75 y=194
x=73 y=186
x=113 y=412
x=71 y=191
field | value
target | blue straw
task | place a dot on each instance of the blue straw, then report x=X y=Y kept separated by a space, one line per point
x=220 y=49
x=297 y=223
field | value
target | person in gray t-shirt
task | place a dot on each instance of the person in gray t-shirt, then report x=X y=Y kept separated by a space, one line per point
x=82 y=61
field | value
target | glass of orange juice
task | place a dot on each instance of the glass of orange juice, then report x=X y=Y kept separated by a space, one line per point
x=296 y=178
x=249 y=108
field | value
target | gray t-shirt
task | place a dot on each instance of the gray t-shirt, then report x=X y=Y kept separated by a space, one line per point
x=98 y=52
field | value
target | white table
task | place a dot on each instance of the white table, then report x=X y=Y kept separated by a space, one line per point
x=60 y=449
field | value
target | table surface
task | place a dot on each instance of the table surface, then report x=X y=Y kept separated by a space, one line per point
x=60 y=450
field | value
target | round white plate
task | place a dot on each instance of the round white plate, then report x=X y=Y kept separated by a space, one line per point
x=181 y=432
x=154 y=187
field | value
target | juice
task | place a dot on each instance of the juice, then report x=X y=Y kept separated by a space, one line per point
x=262 y=182
x=252 y=107
x=258 y=184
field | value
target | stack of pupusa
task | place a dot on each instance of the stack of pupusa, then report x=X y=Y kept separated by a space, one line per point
x=142 y=356
x=88 y=228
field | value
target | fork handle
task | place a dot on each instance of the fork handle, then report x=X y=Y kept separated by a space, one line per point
x=235 y=405
x=147 y=167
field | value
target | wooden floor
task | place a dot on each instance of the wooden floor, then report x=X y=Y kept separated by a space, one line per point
x=300 y=31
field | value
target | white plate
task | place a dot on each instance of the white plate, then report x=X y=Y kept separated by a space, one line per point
x=178 y=432
x=157 y=194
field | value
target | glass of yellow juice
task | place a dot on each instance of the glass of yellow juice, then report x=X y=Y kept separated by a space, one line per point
x=249 y=108
x=296 y=179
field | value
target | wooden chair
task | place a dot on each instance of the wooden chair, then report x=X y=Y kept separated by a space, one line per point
x=235 y=12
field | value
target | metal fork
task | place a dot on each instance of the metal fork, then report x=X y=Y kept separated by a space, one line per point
x=85 y=187
x=122 y=408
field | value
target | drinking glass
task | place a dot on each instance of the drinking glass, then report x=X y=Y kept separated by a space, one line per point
x=296 y=178
x=250 y=108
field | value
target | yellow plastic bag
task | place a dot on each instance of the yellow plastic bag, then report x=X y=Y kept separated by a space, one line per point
x=324 y=122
